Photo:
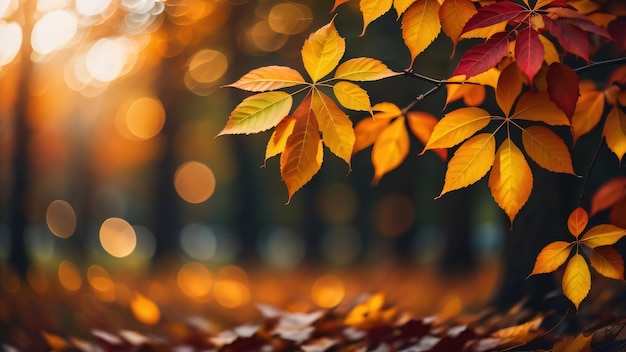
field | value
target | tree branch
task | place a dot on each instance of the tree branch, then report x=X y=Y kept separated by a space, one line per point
x=597 y=64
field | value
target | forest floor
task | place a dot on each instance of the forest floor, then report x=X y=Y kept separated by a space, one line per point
x=374 y=309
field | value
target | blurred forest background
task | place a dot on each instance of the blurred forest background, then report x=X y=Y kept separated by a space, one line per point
x=109 y=162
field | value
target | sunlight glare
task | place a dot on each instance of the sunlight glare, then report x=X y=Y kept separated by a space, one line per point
x=61 y=218
x=194 y=182
x=53 y=31
x=145 y=117
x=92 y=7
x=107 y=58
x=11 y=39
x=117 y=237
x=7 y=7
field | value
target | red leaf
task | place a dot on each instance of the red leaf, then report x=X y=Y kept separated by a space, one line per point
x=529 y=52
x=570 y=37
x=337 y=3
x=616 y=29
x=563 y=87
x=482 y=57
x=493 y=14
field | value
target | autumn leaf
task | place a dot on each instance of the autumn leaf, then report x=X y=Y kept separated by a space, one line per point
x=322 y=51
x=453 y=15
x=588 y=113
x=278 y=139
x=547 y=149
x=471 y=161
x=608 y=262
x=614 y=131
x=608 y=194
x=337 y=3
x=369 y=312
x=302 y=157
x=571 y=38
x=258 y=113
x=269 y=78
x=552 y=257
x=563 y=87
x=517 y=335
x=367 y=131
x=422 y=125
x=401 y=5
x=352 y=97
x=482 y=57
x=472 y=94
x=529 y=52
x=420 y=26
x=602 y=235
x=580 y=343
x=577 y=221
x=510 y=180
x=509 y=87
x=372 y=9
x=390 y=149
x=363 y=69
x=456 y=126
x=537 y=106
x=550 y=54
x=496 y=13
x=335 y=125
x=576 y=280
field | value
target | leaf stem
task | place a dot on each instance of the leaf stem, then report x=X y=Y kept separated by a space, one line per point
x=588 y=173
x=421 y=97
x=596 y=64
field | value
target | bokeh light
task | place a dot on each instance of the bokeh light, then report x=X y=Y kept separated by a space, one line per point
x=194 y=182
x=198 y=241
x=107 y=58
x=117 y=237
x=61 y=219
x=194 y=279
x=11 y=39
x=231 y=293
x=92 y=7
x=207 y=66
x=264 y=39
x=337 y=204
x=53 y=31
x=69 y=276
x=290 y=18
x=7 y=7
x=144 y=310
x=395 y=215
x=38 y=279
x=101 y=283
x=327 y=291
x=145 y=117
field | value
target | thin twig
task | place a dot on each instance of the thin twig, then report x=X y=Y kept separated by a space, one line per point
x=597 y=64
x=588 y=173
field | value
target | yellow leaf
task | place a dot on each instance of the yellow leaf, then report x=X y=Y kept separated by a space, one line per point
x=485 y=32
x=615 y=131
x=580 y=343
x=517 y=335
x=472 y=94
x=369 y=311
x=322 y=51
x=302 y=157
x=487 y=78
x=552 y=257
x=602 y=235
x=352 y=97
x=547 y=149
x=576 y=279
x=589 y=109
x=456 y=126
x=367 y=131
x=401 y=5
x=608 y=262
x=372 y=9
x=386 y=110
x=258 y=113
x=537 y=106
x=577 y=221
x=454 y=14
x=390 y=149
x=541 y=3
x=550 y=54
x=336 y=127
x=420 y=26
x=269 y=78
x=422 y=125
x=471 y=161
x=510 y=180
x=363 y=69
x=278 y=139
x=509 y=88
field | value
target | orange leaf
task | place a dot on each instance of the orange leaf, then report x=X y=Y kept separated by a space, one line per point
x=401 y=5
x=302 y=157
x=390 y=149
x=509 y=88
x=552 y=257
x=278 y=139
x=386 y=110
x=510 y=180
x=547 y=149
x=258 y=113
x=471 y=161
x=269 y=78
x=322 y=51
x=537 y=106
x=589 y=109
x=337 y=3
x=454 y=14
x=615 y=131
x=456 y=126
x=352 y=97
x=580 y=343
x=367 y=131
x=602 y=235
x=517 y=335
x=608 y=262
x=576 y=280
x=608 y=194
x=577 y=221
x=372 y=9
x=550 y=54
x=422 y=125
x=55 y=342
x=472 y=94
x=363 y=69
x=336 y=127
x=420 y=26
